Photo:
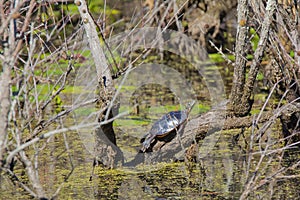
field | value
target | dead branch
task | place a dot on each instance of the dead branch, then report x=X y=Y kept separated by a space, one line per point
x=106 y=87
x=259 y=53
x=240 y=55
x=205 y=125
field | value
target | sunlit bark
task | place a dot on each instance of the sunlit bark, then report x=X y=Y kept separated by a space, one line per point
x=240 y=58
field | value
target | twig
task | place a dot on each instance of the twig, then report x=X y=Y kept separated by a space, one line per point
x=221 y=52
x=62 y=130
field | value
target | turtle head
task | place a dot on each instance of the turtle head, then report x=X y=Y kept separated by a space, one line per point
x=146 y=145
x=147 y=141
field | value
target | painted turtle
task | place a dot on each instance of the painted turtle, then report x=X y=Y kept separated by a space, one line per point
x=170 y=122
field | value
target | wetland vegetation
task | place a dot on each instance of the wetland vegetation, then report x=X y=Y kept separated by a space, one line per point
x=81 y=85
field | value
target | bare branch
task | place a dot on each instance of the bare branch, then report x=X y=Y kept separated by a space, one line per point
x=259 y=52
x=240 y=54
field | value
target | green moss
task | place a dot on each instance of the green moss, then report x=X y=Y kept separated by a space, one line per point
x=255 y=39
x=126 y=88
x=95 y=7
x=203 y=108
x=292 y=54
x=260 y=76
x=217 y=58
x=249 y=57
x=130 y=122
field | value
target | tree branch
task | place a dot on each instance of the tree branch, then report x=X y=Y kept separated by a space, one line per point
x=240 y=56
x=259 y=52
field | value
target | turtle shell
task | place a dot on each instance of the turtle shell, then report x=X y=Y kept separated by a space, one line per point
x=165 y=125
x=168 y=123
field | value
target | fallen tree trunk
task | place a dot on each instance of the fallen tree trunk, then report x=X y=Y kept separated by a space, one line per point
x=207 y=128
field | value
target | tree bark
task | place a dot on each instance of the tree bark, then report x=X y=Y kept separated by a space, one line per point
x=106 y=90
x=258 y=54
x=242 y=92
x=5 y=82
x=240 y=59
x=5 y=102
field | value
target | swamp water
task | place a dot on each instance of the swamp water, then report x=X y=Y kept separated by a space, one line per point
x=219 y=175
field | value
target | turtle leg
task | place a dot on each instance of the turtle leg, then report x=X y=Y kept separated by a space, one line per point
x=178 y=131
